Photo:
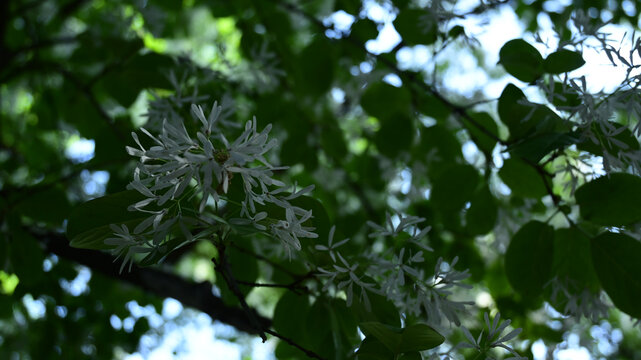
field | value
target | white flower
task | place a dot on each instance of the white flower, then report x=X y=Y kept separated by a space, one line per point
x=209 y=122
x=177 y=169
x=331 y=247
x=493 y=338
x=407 y=224
x=290 y=229
x=126 y=245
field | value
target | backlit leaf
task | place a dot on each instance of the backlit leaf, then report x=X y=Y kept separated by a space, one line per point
x=529 y=258
x=521 y=60
x=616 y=261
x=611 y=200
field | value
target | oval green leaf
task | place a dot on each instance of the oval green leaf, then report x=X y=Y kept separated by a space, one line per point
x=383 y=100
x=611 y=200
x=419 y=337
x=416 y=26
x=522 y=179
x=481 y=216
x=389 y=336
x=521 y=60
x=528 y=260
x=617 y=262
x=88 y=224
x=372 y=349
x=454 y=187
x=285 y=323
x=395 y=135
x=563 y=61
x=572 y=259
x=484 y=142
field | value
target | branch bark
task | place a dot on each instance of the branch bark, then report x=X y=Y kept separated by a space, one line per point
x=160 y=283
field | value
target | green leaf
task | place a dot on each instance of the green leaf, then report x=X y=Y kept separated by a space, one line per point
x=572 y=260
x=316 y=67
x=395 y=135
x=411 y=356
x=334 y=330
x=521 y=60
x=611 y=200
x=364 y=29
x=484 y=142
x=522 y=179
x=529 y=257
x=243 y=268
x=454 y=187
x=562 y=61
x=383 y=100
x=88 y=225
x=438 y=148
x=456 y=31
x=565 y=96
x=333 y=141
x=390 y=336
x=419 y=337
x=416 y=26
x=536 y=147
x=289 y=311
x=346 y=319
x=525 y=119
x=481 y=216
x=320 y=315
x=431 y=106
x=141 y=72
x=381 y=310
x=372 y=349
x=616 y=262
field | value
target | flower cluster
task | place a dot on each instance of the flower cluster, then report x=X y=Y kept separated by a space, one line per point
x=493 y=338
x=434 y=294
x=391 y=274
x=578 y=303
x=405 y=224
x=180 y=169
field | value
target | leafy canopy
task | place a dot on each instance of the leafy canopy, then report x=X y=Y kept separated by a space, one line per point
x=263 y=163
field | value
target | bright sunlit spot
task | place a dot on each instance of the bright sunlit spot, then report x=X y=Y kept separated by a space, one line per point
x=94 y=182
x=341 y=21
x=387 y=39
x=80 y=150
x=171 y=308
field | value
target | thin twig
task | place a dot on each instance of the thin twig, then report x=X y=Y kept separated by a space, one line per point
x=294 y=286
x=291 y=342
x=222 y=266
x=273 y=264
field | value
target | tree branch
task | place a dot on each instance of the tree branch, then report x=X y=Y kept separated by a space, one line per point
x=43 y=44
x=222 y=266
x=309 y=353
x=160 y=283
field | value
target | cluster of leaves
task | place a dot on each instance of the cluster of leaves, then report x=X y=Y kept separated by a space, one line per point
x=563 y=234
